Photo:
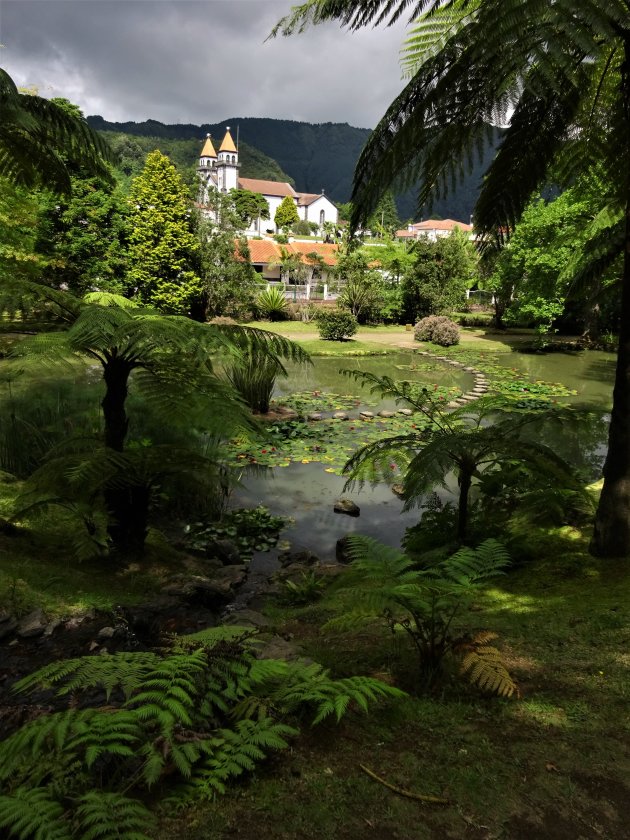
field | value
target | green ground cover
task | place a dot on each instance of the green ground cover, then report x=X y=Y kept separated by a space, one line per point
x=553 y=763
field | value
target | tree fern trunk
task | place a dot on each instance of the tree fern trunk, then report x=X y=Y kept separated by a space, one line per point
x=116 y=376
x=611 y=537
x=127 y=507
x=465 y=482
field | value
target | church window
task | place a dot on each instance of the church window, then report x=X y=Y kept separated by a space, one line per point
x=322 y=217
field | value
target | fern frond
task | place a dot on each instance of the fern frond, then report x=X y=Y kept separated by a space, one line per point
x=234 y=751
x=126 y=671
x=112 y=816
x=484 y=666
x=31 y=814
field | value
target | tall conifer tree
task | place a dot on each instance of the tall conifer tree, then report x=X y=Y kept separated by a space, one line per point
x=162 y=244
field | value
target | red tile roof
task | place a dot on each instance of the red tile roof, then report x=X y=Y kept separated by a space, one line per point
x=256 y=185
x=265 y=251
x=328 y=252
x=441 y=224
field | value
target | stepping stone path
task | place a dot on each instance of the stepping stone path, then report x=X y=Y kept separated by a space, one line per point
x=386 y=413
x=340 y=415
x=366 y=415
x=480 y=387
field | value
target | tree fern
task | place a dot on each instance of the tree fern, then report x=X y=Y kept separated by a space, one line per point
x=39 y=139
x=556 y=75
x=423 y=604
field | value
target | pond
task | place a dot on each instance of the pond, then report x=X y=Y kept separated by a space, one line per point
x=307 y=492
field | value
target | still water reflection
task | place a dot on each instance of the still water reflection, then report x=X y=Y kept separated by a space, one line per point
x=307 y=493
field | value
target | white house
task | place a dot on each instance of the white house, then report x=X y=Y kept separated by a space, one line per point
x=434 y=229
x=220 y=171
x=317 y=259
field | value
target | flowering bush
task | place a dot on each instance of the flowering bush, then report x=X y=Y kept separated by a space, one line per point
x=438 y=329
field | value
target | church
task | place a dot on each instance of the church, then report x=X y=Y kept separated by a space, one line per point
x=220 y=171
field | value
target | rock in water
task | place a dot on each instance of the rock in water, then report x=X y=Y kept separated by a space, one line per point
x=347 y=506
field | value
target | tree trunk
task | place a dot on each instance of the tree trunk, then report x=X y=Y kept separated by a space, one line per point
x=611 y=536
x=127 y=507
x=465 y=481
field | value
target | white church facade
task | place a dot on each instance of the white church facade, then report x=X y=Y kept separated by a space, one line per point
x=220 y=171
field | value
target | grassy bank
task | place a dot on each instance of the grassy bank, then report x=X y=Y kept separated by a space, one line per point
x=552 y=764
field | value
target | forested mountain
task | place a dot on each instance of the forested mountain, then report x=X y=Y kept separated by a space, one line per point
x=133 y=148
x=316 y=156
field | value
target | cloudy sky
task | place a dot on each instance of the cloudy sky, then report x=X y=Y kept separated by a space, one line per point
x=197 y=60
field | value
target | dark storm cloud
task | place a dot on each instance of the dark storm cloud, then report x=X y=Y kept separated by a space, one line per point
x=203 y=61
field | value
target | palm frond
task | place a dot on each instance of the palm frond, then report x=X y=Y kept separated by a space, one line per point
x=38 y=138
x=350 y=14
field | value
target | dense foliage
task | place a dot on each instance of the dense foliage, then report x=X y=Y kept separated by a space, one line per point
x=194 y=717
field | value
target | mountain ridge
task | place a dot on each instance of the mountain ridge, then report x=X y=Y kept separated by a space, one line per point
x=316 y=156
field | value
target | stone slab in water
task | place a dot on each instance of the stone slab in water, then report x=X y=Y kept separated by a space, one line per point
x=385 y=413
x=347 y=506
x=406 y=412
x=367 y=415
x=315 y=415
x=340 y=415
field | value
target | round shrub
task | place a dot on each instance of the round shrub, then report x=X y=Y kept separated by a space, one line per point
x=438 y=329
x=335 y=325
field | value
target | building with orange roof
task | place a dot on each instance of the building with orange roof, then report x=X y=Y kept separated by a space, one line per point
x=434 y=229
x=317 y=258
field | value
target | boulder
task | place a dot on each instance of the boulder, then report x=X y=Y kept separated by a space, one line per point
x=306 y=558
x=225 y=551
x=7 y=625
x=247 y=617
x=347 y=506
x=279 y=648
x=31 y=625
